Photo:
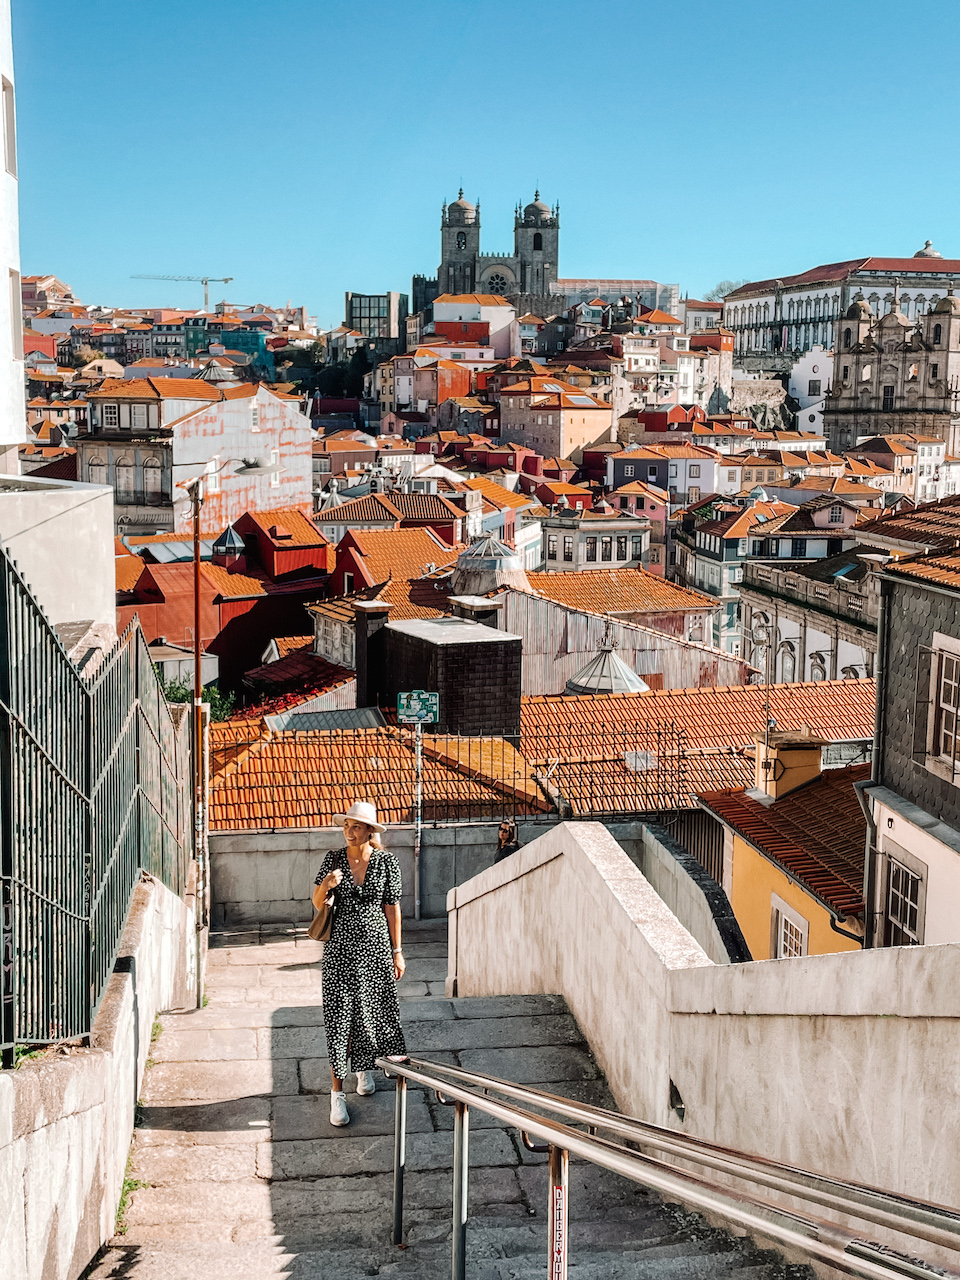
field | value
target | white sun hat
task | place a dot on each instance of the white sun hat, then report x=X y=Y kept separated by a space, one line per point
x=360 y=811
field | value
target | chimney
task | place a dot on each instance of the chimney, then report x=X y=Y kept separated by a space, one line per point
x=478 y=609
x=785 y=761
x=370 y=617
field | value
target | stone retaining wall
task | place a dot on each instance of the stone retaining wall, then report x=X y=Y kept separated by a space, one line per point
x=66 y=1120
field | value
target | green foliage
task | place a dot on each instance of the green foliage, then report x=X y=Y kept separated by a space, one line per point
x=83 y=355
x=22 y=1053
x=129 y=1186
x=221 y=704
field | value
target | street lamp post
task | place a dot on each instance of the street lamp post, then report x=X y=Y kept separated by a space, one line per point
x=194 y=489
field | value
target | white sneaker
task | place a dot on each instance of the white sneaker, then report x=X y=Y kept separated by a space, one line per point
x=366 y=1083
x=339 y=1115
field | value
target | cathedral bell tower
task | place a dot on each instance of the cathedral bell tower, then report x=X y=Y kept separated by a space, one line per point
x=536 y=236
x=459 y=246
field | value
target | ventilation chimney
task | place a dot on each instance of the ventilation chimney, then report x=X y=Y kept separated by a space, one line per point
x=478 y=609
x=370 y=617
x=785 y=761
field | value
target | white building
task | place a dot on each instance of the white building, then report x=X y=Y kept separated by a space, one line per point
x=488 y=309
x=13 y=413
x=809 y=379
x=775 y=320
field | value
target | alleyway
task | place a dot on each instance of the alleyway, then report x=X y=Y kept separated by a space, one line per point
x=245 y=1177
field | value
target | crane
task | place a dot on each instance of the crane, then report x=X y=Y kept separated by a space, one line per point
x=204 y=280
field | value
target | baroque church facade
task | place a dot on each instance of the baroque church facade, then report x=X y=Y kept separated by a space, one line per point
x=527 y=277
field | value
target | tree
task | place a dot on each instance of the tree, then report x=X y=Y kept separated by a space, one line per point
x=358 y=366
x=83 y=355
x=221 y=704
x=720 y=291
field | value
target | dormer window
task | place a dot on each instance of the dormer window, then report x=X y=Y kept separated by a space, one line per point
x=836 y=514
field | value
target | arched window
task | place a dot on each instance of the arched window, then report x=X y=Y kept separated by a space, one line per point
x=537 y=240
x=937 y=334
x=461 y=240
x=125 y=485
x=97 y=471
x=788 y=664
x=152 y=480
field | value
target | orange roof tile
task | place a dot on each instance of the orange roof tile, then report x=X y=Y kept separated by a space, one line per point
x=619 y=591
x=229 y=585
x=816 y=832
x=481 y=299
x=288 y=779
x=400 y=553
x=497 y=493
x=288 y=527
x=128 y=570
x=943 y=570
x=701 y=739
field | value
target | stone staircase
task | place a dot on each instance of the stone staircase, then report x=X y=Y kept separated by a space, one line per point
x=244 y=1178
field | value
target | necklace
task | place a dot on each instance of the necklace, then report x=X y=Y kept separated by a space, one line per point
x=356 y=864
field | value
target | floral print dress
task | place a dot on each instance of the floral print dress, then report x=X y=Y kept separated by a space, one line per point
x=361 y=1013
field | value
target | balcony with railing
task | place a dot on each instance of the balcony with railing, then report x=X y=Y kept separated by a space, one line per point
x=856 y=602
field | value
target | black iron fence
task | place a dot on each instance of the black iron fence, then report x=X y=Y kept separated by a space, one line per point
x=263 y=780
x=94 y=787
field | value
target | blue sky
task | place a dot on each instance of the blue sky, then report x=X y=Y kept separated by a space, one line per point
x=304 y=147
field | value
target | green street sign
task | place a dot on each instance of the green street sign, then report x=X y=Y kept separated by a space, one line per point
x=418 y=707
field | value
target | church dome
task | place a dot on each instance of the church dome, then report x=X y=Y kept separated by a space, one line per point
x=537 y=210
x=950 y=305
x=461 y=211
x=928 y=251
x=859 y=309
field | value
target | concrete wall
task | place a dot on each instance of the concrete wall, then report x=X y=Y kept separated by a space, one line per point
x=843 y=1063
x=267 y=876
x=61 y=536
x=66 y=1121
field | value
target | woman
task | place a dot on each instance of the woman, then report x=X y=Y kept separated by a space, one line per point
x=507 y=841
x=362 y=962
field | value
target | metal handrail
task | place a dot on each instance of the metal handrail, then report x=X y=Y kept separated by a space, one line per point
x=814 y=1237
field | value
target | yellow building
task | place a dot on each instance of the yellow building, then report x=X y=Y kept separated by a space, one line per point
x=794 y=850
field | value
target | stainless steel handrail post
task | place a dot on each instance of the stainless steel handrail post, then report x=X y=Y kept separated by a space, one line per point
x=399 y=1157
x=461 y=1163
x=558 y=1209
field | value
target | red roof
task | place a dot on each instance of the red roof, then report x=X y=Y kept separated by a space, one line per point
x=841 y=270
x=816 y=832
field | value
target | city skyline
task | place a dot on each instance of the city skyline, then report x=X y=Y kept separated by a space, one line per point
x=304 y=178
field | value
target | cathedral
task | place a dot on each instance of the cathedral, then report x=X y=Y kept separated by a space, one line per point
x=528 y=277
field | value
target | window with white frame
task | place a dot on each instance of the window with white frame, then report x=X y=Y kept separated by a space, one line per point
x=275 y=462
x=9 y=129
x=111 y=415
x=905 y=897
x=788 y=930
x=628 y=470
x=138 y=415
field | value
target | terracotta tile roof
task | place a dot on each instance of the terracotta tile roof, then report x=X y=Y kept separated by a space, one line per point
x=637 y=487
x=498 y=494
x=288 y=779
x=227 y=584
x=425 y=506
x=656 y=316
x=128 y=570
x=717 y=728
x=63 y=467
x=288 y=527
x=371 y=508
x=242 y=392
x=739 y=524
x=618 y=591
x=934 y=524
x=400 y=553
x=943 y=570
x=816 y=832
x=481 y=299
x=287 y=644
x=300 y=671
